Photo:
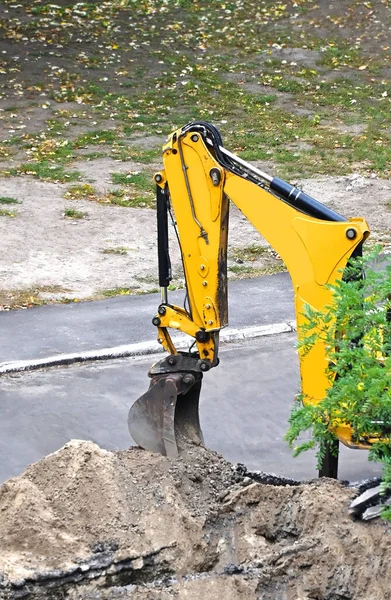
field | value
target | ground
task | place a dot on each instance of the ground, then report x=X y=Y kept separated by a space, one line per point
x=90 y=91
x=86 y=523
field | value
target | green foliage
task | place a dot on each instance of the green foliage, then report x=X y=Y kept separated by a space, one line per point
x=7 y=213
x=8 y=200
x=356 y=329
x=81 y=191
x=46 y=171
x=142 y=181
x=251 y=252
x=71 y=213
x=116 y=250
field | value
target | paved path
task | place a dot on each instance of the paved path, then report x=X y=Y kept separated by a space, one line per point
x=56 y=329
x=245 y=404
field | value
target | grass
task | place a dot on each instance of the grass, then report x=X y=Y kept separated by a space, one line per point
x=8 y=200
x=245 y=271
x=142 y=181
x=129 y=199
x=119 y=291
x=44 y=170
x=71 y=213
x=81 y=191
x=27 y=298
x=93 y=138
x=122 y=250
x=7 y=213
x=248 y=87
x=249 y=253
x=192 y=84
x=178 y=285
x=131 y=196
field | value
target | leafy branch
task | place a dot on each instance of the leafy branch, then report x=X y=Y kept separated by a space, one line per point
x=356 y=331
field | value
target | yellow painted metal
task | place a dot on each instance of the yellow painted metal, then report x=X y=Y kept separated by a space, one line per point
x=201 y=213
x=314 y=251
x=177 y=318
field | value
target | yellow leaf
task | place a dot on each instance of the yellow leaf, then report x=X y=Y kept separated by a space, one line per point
x=363 y=67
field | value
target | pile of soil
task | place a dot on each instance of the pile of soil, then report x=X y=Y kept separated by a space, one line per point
x=86 y=523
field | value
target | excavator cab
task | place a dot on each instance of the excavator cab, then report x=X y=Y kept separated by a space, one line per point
x=194 y=188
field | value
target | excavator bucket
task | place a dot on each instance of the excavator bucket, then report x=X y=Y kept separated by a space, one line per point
x=166 y=416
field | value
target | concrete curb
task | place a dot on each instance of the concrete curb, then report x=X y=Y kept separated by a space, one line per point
x=141 y=348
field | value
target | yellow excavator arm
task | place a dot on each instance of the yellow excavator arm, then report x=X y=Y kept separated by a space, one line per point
x=199 y=179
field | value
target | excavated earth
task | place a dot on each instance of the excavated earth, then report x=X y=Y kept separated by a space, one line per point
x=86 y=523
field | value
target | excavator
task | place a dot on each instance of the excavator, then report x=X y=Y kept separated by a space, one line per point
x=199 y=179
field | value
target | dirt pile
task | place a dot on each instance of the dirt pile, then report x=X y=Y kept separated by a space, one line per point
x=85 y=523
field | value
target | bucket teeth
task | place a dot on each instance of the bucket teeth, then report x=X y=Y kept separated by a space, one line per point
x=167 y=416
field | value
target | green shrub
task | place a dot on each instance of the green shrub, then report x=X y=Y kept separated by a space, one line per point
x=356 y=328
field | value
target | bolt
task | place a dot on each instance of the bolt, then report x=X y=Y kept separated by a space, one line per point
x=188 y=378
x=194 y=138
x=171 y=360
x=156 y=321
x=207 y=306
x=158 y=178
x=161 y=310
x=210 y=322
x=202 y=335
x=160 y=340
x=351 y=233
x=204 y=366
x=204 y=283
x=202 y=267
x=215 y=175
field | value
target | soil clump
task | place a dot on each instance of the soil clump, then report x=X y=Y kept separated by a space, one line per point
x=86 y=523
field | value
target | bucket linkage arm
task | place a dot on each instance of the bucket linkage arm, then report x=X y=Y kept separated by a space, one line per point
x=168 y=413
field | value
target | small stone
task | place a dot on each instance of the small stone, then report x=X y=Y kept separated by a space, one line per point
x=223 y=495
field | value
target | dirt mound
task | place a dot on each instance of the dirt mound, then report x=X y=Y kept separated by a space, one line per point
x=85 y=523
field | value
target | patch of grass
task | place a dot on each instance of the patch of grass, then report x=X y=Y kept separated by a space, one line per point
x=27 y=298
x=241 y=269
x=125 y=291
x=247 y=271
x=45 y=171
x=130 y=199
x=178 y=285
x=92 y=138
x=128 y=153
x=7 y=213
x=4 y=151
x=8 y=200
x=140 y=180
x=49 y=149
x=119 y=291
x=249 y=253
x=81 y=191
x=172 y=87
x=116 y=250
x=71 y=213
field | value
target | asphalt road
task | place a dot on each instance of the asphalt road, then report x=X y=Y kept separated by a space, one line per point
x=245 y=404
x=56 y=329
